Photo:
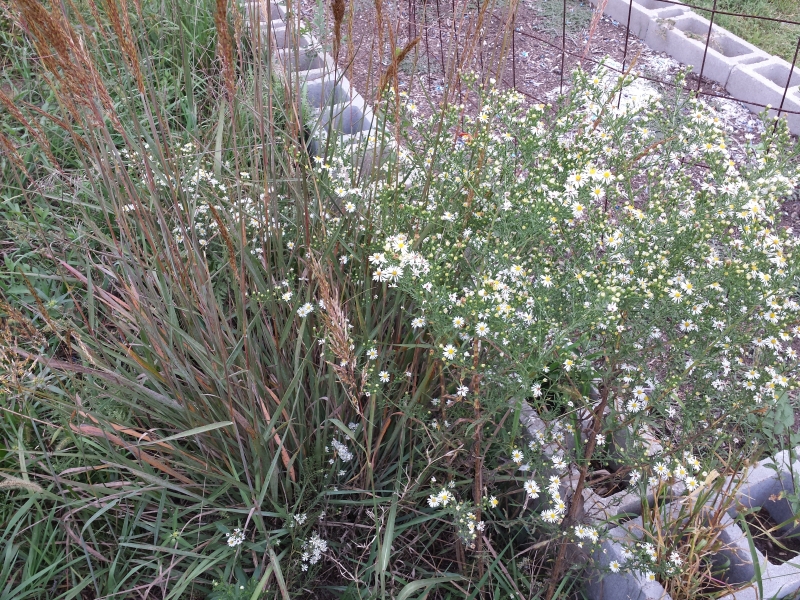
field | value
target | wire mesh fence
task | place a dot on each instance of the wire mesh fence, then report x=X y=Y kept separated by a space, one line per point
x=532 y=46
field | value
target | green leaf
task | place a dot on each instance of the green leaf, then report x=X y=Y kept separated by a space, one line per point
x=190 y=432
x=415 y=586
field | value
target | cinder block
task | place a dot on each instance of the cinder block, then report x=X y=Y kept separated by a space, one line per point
x=736 y=552
x=535 y=427
x=656 y=35
x=345 y=119
x=619 y=586
x=300 y=59
x=324 y=92
x=761 y=487
x=778 y=581
x=283 y=38
x=764 y=83
x=642 y=13
x=685 y=40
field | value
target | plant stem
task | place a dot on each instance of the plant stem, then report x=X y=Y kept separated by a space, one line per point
x=577 y=498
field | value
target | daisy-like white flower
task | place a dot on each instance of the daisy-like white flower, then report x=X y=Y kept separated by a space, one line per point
x=676 y=296
x=547 y=281
x=286 y=296
x=635 y=405
x=614 y=566
x=372 y=353
x=305 y=310
x=384 y=376
x=392 y=273
x=449 y=352
x=532 y=488
x=692 y=462
x=235 y=538
x=458 y=322
x=462 y=391
x=378 y=258
x=577 y=179
x=662 y=470
x=517 y=456
x=418 y=322
x=551 y=516
x=349 y=207
x=482 y=329
x=493 y=502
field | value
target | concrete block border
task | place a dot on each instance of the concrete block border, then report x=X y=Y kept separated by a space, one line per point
x=766 y=485
x=335 y=104
x=749 y=74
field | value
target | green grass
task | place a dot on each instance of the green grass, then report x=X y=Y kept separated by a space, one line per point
x=773 y=37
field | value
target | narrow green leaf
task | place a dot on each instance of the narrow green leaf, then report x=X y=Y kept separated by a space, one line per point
x=415 y=586
x=190 y=432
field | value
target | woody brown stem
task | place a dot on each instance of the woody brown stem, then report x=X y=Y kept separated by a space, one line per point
x=476 y=449
x=577 y=498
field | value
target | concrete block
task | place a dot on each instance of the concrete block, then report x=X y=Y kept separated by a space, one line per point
x=749 y=74
x=327 y=69
x=619 y=586
x=365 y=153
x=642 y=12
x=660 y=24
x=324 y=92
x=317 y=65
x=304 y=59
x=535 y=428
x=283 y=39
x=764 y=83
x=777 y=581
x=761 y=481
x=346 y=119
x=685 y=40
x=762 y=486
x=736 y=551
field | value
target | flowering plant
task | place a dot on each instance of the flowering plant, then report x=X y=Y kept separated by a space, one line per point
x=618 y=264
